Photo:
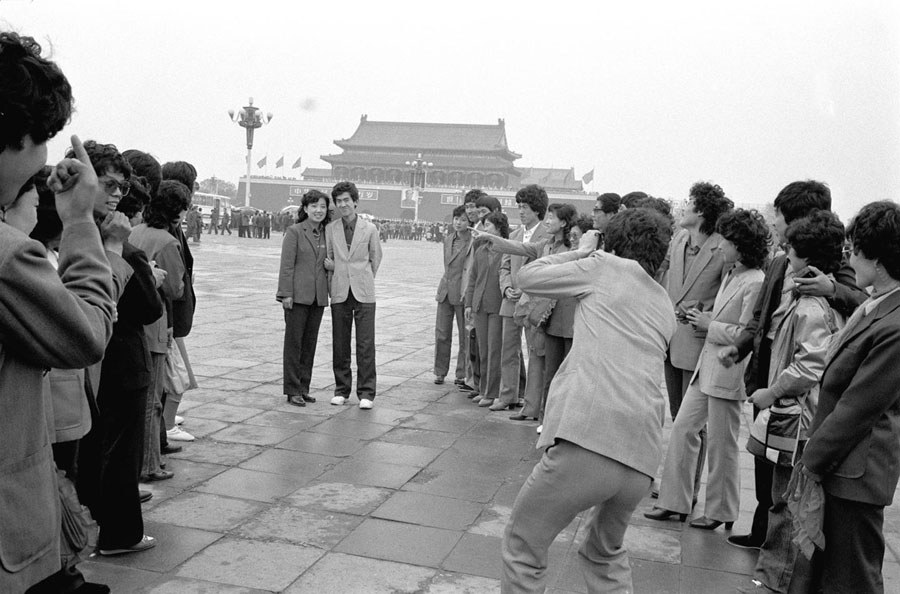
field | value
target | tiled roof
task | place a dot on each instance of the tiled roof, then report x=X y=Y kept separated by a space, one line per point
x=314 y=172
x=416 y=136
x=551 y=178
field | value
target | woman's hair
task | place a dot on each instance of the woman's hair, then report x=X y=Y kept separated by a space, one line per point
x=875 y=231
x=584 y=222
x=311 y=197
x=35 y=97
x=818 y=239
x=49 y=226
x=170 y=201
x=137 y=198
x=639 y=234
x=181 y=171
x=748 y=231
x=711 y=203
x=145 y=165
x=500 y=223
x=104 y=158
x=567 y=214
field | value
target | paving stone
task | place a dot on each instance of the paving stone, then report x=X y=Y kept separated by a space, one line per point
x=250 y=484
x=708 y=549
x=404 y=543
x=175 y=545
x=380 y=414
x=367 y=472
x=460 y=583
x=429 y=510
x=322 y=443
x=121 y=578
x=189 y=473
x=277 y=418
x=395 y=453
x=251 y=563
x=224 y=412
x=255 y=434
x=400 y=403
x=477 y=555
x=456 y=485
x=455 y=425
x=420 y=437
x=219 y=383
x=190 y=586
x=291 y=463
x=351 y=428
x=705 y=581
x=214 y=452
x=322 y=529
x=199 y=427
x=204 y=511
x=339 y=497
x=349 y=574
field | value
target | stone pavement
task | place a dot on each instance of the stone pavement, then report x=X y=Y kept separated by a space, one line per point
x=411 y=496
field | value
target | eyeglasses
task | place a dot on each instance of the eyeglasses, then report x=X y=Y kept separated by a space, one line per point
x=597 y=210
x=110 y=186
x=847 y=251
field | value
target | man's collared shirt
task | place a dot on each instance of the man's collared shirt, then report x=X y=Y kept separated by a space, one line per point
x=349 y=228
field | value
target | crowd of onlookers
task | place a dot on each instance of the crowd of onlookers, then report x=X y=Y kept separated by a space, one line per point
x=96 y=297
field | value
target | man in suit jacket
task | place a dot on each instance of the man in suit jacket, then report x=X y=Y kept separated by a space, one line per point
x=450 y=300
x=794 y=201
x=692 y=273
x=532 y=201
x=354 y=254
x=603 y=423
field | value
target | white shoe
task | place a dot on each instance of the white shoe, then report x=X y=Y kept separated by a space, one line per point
x=365 y=403
x=179 y=420
x=338 y=400
x=176 y=433
x=539 y=429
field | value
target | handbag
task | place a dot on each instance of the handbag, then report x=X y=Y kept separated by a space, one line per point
x=775 y=433
x=178 y=379
x=533 y=311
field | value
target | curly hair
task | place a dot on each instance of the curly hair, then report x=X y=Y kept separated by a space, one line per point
x=459 y=211
x=104 y=158
x=584 y=222
x=800 y=198
x=711 y=203
x=818 y=239
x=146 y=166
x=660 y=205
x=631 y=199
x=181 y=171
x=748 y=231
x=137 y=198
x=345 y=187
x=35 y=96
x=170 y=201
x=567 y=214
x=875 y=232
x=535 y=197
x=500 y=223
x=639 y=234
x=312 y=197
x=473 y=195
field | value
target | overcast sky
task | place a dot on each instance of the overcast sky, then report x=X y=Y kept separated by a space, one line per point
x=652 y=95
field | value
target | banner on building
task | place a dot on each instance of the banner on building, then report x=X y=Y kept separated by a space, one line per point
x=454 y=199
x=409 y=198
x=368 y=194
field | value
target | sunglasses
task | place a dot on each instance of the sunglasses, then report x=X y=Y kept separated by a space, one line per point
x=110 y=186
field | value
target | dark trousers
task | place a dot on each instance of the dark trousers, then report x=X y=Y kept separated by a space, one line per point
x=443 y=339
x=121 y=437
x=556 y=348
x=301 y=330
x=854 y=548
x=677 y=382
x=343 y=317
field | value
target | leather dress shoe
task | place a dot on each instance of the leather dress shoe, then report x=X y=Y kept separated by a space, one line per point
x=500 y=406
x=159 y=475
x=296 y=400
x=521 y=417
x=308 y=398
x=704 y=523
x=91 y=588
x=170 y=449
x=661 y=514
x=439 y=379
x=745 y=541
x=145 y=496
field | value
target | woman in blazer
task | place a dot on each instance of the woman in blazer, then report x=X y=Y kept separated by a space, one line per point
x=715 y=392
x=303 y=293
x=854 y=439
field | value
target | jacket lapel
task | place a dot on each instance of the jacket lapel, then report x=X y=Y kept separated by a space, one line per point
x=308 y=233
x=700 y=262
x=727 y=292
x=676 y=267
x=358 y=232
x=884 y=308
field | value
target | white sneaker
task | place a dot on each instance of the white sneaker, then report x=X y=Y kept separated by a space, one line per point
x=365 y=403
x=179 y=419
x=539 y=429
x=338 y=400
x=176 y=433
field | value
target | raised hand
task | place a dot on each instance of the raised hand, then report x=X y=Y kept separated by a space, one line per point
x=75 y=185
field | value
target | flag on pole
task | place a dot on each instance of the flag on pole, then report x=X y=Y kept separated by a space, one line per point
x=588 y=177
x=262 y=162
x=280 y=162
x=296 y=163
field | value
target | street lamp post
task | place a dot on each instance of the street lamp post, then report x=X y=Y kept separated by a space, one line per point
x=418 y=175
x=250 y=118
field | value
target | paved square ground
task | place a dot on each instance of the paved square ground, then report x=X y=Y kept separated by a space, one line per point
x=411 y=496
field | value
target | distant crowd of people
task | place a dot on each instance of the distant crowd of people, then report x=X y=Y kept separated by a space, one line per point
x=96 y=297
